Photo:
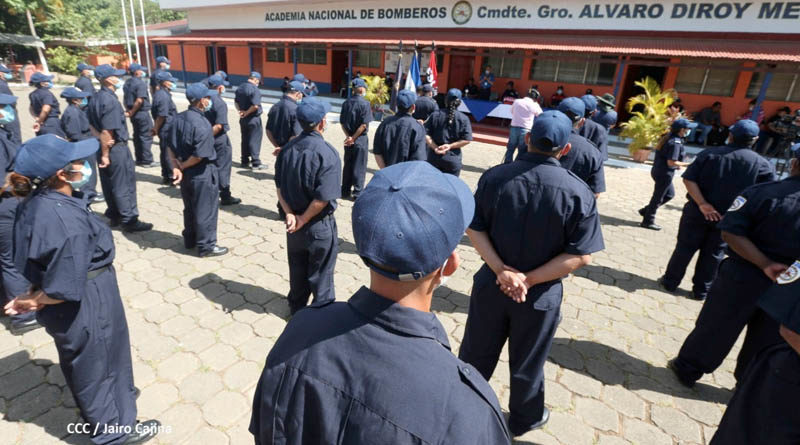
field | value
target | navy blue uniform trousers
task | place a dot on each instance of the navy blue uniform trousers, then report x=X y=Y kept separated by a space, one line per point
x=251 y=139
x=51 y=125
x=354 y=172
x=730 y=306
x=94 y=353
x=163 y=157
x=493 y=319
x=200 y=193
x=695 y=233
x=142 y=125
x=662 y=193
x=224 y=161
x=312 y=254
x=119 y=184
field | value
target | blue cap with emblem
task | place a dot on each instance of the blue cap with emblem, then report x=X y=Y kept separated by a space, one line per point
x=312 y=110
x=197 y=91
x=453 y=93
x=409 y=219
x=38 y=77
x=573 y=107
x=405 y=99
x=255 y=75
x=7 y=99
x=163 y=76
x=106 y=70
x=217 y=80
x=74 y=93
x=551 y=130
x=134 y=67
x=607 y=118
x=683 y=123
x=297 y=86
x=41 y=157
x=359 y=83
x=84 y=66
x=427 y=88
x=590 y=101
x=744 y=128
x=162 y=59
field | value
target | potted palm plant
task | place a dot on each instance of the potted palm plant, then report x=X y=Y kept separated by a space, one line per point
x=377 y=94
x=650 y=121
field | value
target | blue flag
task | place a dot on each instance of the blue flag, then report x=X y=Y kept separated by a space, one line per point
x=413 y=80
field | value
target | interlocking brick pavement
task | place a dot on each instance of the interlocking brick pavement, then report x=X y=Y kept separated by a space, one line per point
x=201 y=328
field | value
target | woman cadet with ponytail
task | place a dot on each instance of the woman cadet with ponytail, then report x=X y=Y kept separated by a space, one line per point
x=448 y=131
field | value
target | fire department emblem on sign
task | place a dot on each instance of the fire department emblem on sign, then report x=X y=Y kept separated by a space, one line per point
x=462 y=12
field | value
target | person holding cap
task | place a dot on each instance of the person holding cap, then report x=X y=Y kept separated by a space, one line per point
x=44 y=106
x=84 y=81
x=760 y=228
x=137 y=106
x=583 y=158
x=248 y=104
x=448 y=131
x=164 y=111
x=400 y=137
x=12 y=129
x=218 y=118
x=535 y=223
x=162 y=64
x=192 y=156
x=425 y=105
x=713 y=181
x=406 y=386
x=282 y=124
x=75 y=125
x=66 y=253
x=591 y=130
x=355 y=117
x=117 y=171
x=307 y=202
x=669 y=158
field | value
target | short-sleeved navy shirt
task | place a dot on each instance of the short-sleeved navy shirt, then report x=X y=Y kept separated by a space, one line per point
x=218 y=114
x=85 y=84
x=105 y=113
x=356 y=112
x=308 y=169
x=75 y=123
x=246 y=96
x=672 y=150
x=282 y=120
x=191 y=135
x=769 y=215
x=400 y=138
x=597 y=134
x=443 y=132
x=724 y=172
x=404 y=387
x=425 y=106
x=41 y=97
x=135 y=88
x=163 y=106
x=586 y=162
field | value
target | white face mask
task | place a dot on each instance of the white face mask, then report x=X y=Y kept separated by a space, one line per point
x=442 y=278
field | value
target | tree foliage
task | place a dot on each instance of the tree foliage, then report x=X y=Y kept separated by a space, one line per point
x=646 y=127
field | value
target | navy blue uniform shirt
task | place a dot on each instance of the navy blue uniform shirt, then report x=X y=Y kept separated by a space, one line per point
x=356 y=112
x=105 y=113
x=163 y=106
x=307 y=169
x=41 y=97
x=246 y=96
x=75 y=124
x=400 y=138
x=724 y=172
x=370 y=371
x=14 y=283
x=769 y=215
x=85 y=84
x=586 y=162
x=218 y=114
x=597 y=135
x=534 y=210
x=425 y=106
x=671 y=151
x=443 y=132
x=282 y=121
x=135 y=88
x=191 y=135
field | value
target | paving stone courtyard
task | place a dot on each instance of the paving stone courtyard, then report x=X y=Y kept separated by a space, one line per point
x=201 y=329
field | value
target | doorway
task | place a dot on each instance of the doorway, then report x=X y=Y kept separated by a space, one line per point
x=216 y=59
x=338 y=68
x=634 y=74
x=460 y=71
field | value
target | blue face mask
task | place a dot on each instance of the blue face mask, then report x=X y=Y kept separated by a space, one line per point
x=48 y=85
x=166 y=67
x=8 y=115
x=119 y=84
x=207 y=108
x=8 y=76
x=171 y=86
x=91 y=73
x=84 y=102
x=86 y=176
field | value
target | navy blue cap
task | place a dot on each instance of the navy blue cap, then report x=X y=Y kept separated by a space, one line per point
x=300 y=78
x=607 y=118
x=160 y=59
x=744 y=128
x=163 y=76
x=84 y=66
x=38 y=77
x=41 y=157
x=7 y=99
x=136 y=67
x=410 y=218
x=106 y=70
x=359 y=83
x=574 y=106
x=217 y=80
x=74 y=93
x=255 y=75
x=454 y=93
x=427 y=88
x=780 y=300
x=297 y=86
x=553 y=126
x=406 y=98
x=196 y=91
x=312 y=110
x=590 y=101
x=4 y=69
x=683 y=123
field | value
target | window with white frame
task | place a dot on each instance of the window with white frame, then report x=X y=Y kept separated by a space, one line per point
x=509 y=65
x=784 y=85
x=707 y=76
x=587 y=69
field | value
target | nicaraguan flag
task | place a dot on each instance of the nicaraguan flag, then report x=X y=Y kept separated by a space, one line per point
x=413 y=79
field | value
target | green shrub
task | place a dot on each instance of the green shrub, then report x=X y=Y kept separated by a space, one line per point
x=64 y=60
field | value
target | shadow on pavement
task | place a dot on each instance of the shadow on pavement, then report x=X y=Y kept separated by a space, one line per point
x=631 y=283
x=240 y=296
x=258 y=174
x=619 y=222
x=156 y=239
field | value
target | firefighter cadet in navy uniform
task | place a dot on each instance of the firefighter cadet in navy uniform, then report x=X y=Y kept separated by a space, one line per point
x=516 y=295
x=401 y=137
x=218 y=117
x=66 y=253
x=425 y=105
x=761 y=229
x=248 y=104
x=75 y=125
x=117 y=170
x=162 y=65
x=13 y=127
x=763 y=409
x=137 y=109
x=405 y=387
x=591 y=130
x=164 y=111
x=44 y=106
x=355 y=117
x=448 y=131
x=282 y=124
x=307 y=202
x=669 y=158
x=84 y=81
x=583 y=159
x=713 y=181
x=192 y=155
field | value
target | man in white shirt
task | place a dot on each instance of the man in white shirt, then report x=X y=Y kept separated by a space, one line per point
x=523 y=111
